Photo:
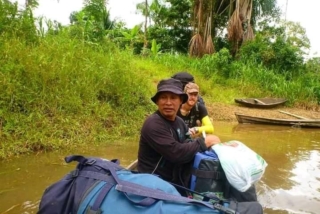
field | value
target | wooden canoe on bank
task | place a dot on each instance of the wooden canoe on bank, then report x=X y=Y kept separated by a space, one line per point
x=260 y=102
x=303 y=123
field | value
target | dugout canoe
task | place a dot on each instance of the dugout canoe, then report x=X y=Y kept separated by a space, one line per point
x=260 y=102
x=303 y=123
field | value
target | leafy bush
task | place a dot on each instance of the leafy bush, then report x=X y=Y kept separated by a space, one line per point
x=277 y=55
x=218 y=63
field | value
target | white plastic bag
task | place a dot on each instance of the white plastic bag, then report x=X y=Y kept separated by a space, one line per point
x=242 y=166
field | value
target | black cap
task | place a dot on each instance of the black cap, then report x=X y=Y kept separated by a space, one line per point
x=184 y=77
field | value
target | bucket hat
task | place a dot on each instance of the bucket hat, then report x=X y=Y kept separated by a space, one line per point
x=170 y=85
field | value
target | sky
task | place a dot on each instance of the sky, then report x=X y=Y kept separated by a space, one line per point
x=305 y=12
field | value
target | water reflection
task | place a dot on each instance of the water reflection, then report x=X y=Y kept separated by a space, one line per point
x=303 y=193
x=291 y=183
x=23 y=180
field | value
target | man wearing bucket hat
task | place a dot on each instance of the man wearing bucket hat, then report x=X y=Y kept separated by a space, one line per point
x=195 y=114
x=165 y=147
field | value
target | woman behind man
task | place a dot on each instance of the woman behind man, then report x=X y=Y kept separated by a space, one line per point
x=195 y=114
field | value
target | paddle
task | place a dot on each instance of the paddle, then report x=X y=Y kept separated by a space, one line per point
x=294 y=115
x=259 y=101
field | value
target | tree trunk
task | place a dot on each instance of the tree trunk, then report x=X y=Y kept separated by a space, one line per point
x=145 y=43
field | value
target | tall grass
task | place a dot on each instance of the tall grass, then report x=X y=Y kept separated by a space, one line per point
x=269 y=83
x=62 y=92
x=220 y=75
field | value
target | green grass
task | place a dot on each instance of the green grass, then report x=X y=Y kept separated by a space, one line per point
x=62 y=93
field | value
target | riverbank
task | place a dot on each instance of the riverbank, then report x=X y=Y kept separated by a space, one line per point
x=225 y=112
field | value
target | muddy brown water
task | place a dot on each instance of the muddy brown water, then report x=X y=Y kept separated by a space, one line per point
x=291 y=183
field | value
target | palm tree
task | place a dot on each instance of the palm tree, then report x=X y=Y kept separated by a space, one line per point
x=98 y=10
x=201 y=41
x=241 y=17
x=237 y=15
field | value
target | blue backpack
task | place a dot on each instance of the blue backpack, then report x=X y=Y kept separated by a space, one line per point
x=100 y=186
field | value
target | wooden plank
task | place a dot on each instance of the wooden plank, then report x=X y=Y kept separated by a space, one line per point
x=259 y=101
x=294 y=115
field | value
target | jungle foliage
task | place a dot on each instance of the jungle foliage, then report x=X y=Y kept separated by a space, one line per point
x=91 y=81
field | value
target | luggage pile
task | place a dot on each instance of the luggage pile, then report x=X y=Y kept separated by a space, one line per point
x=101 y=186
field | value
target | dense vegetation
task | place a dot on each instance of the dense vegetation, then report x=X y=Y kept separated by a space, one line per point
x=91 y=82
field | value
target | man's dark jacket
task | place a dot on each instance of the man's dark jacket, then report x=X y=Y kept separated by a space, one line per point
x=165 y=149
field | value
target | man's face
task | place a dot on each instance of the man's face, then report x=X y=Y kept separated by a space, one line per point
x=192 y=98
x=168 y=104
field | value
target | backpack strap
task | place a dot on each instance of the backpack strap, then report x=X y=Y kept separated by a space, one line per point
x=207 y=174
x=78 y=158
x=197 y=111
x=95 y=208
x=206 y=196
x=87 y=161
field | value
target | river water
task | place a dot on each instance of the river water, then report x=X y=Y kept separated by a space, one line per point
x=291 y=183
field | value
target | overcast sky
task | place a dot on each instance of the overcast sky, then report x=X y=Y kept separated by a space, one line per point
x=305 y=12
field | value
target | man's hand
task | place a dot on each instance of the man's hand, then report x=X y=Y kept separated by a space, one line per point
x=194 y=131
x=211 y=140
